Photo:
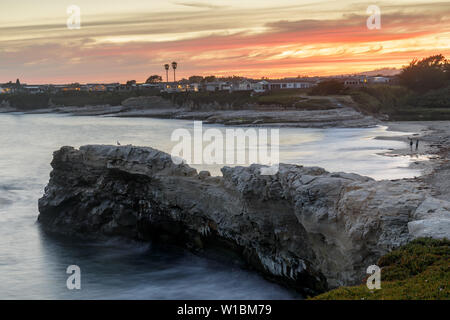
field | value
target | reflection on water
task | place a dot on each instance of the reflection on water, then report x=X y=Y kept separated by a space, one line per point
x=33 y=264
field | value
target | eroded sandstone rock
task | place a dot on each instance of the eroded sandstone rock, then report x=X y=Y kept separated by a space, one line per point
x=304 y=226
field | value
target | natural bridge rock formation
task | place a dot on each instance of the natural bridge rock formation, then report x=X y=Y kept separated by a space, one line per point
x=304 y=226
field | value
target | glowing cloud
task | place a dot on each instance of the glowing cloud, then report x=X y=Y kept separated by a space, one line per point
x=121 y=41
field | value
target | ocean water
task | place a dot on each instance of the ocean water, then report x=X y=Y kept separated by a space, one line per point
x=33 y=264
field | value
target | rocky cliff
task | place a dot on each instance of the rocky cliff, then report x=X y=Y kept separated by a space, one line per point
x=304 y=226
x=229 y=113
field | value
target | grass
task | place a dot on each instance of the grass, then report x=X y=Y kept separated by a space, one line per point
x=284 y=100
x=315 y=104
x=419 y=270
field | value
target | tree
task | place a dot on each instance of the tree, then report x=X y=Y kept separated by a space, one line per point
x=426 y=74
x=209 y=79
x=195 y=79
x=232 y=78
x=131 y=83
x=154 y=79
x=174 y=67
x=167 y=67
x=328 y=87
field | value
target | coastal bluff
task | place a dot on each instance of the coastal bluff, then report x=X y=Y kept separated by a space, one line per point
x=305 y=227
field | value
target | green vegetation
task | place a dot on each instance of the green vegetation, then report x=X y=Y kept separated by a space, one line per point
x=419 y=270
x=377 y=99
x=25 y=101
x=430 y=73
x=154 y=79
x=400 y=103
x=423 y=93
x=286 y=98
x=97 y=98
x=439 y=98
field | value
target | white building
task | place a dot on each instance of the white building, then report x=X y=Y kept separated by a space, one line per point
x=380 y=80
x=217 y=86
x=261 y=86
x=99 y=87
x=33 y=89
x=194 y=87
x=243 y=86
x=291 y=84
x=149 y=86
x=178 y=87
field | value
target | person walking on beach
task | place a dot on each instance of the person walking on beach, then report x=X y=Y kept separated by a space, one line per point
x=417 y=144
x=410 y=143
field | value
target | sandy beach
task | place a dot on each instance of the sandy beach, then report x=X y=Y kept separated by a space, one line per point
x=432 y=154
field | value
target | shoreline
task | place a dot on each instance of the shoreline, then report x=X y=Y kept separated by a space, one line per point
x=342 y=117
x=432 y=155
x=433 y=135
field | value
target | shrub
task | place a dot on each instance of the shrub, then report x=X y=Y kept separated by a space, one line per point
x=433 y=99
x=418 y=270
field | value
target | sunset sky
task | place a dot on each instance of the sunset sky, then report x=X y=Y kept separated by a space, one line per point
x=124 y=40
